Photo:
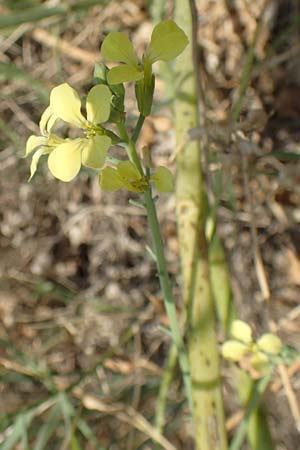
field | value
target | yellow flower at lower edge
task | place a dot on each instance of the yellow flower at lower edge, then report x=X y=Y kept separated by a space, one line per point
x=66 y=157
x=127 y=176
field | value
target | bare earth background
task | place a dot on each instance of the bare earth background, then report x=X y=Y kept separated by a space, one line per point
x=80 y=306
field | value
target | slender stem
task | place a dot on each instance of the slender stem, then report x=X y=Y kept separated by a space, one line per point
x=257 y=391
x=164 y=388
x=138 y=128
x=167 y=293
x=131 y=150
x=160 y=261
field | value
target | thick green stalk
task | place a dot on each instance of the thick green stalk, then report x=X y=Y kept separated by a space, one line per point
x=208 y=410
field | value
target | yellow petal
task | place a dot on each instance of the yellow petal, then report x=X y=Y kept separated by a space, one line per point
x=47 y=121
x=241 y=330
x=35 y=160
x=98 y=104
x=163 y=179
x=94 y=151
x=110 y=179
x=234 y=350
x=33 y=142
x=65 y=104
x=65 y=160
x=270 y=343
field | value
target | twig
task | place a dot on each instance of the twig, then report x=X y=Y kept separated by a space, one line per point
x=294 y=407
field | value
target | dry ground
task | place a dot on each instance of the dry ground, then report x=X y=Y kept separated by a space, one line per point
x=80 y=306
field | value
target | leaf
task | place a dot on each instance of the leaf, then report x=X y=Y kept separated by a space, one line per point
x=163 y=179
x=124 y=73
x=110 y=179
x=167 y=41
x=48 y=428
x=118 y=48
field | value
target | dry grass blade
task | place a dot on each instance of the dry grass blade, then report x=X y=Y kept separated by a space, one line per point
x=78 y=54
x=129 y=415
x=284 y=375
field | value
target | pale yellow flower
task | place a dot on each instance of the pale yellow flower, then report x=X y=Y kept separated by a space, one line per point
x=45 y=142
x=67 y=155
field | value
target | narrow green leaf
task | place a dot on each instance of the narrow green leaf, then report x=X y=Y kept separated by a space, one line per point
x=88 y=433
x=11 y=71
x=22 y=422
x=41 y=12
x=74 y=443
x=48 y=428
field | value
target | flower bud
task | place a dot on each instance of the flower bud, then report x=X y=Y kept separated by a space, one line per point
x=234 y=350
x=241 y=331
x=270 y=343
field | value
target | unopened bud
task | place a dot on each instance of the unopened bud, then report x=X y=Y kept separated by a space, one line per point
x=270 y=343
x=241 y=330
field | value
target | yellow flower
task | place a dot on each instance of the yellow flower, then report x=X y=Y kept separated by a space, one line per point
x=241 y=331
x=45 y=143
x=67 y=155
x=270 y=343
x=234 y=350
x=242 y=348
x=127 y=176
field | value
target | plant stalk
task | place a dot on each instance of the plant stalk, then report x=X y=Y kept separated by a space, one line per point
x=167 y=293
x=191 y=205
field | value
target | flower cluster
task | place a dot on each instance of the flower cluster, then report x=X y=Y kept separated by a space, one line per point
x=67 y=155
x=257 y=355
x=105 y=103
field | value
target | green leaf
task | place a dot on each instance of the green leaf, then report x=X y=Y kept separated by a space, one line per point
x=167 y=41
x=118 y=48
x=163 y=179
x=48 y=428
x=110 y=179
x=121 y=74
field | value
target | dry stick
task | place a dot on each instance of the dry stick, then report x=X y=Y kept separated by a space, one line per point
x=257 y=256
x=126 y=414
x=236 y=109
x=294 y=407
x=253 y=431
x=208 y=410
x=76 y=53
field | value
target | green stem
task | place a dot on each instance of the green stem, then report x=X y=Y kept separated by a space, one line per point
x=138 y=128
x=131 y=150
x=164 y=388
x=160 y=261
x=257 y=391
x=167 y=293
